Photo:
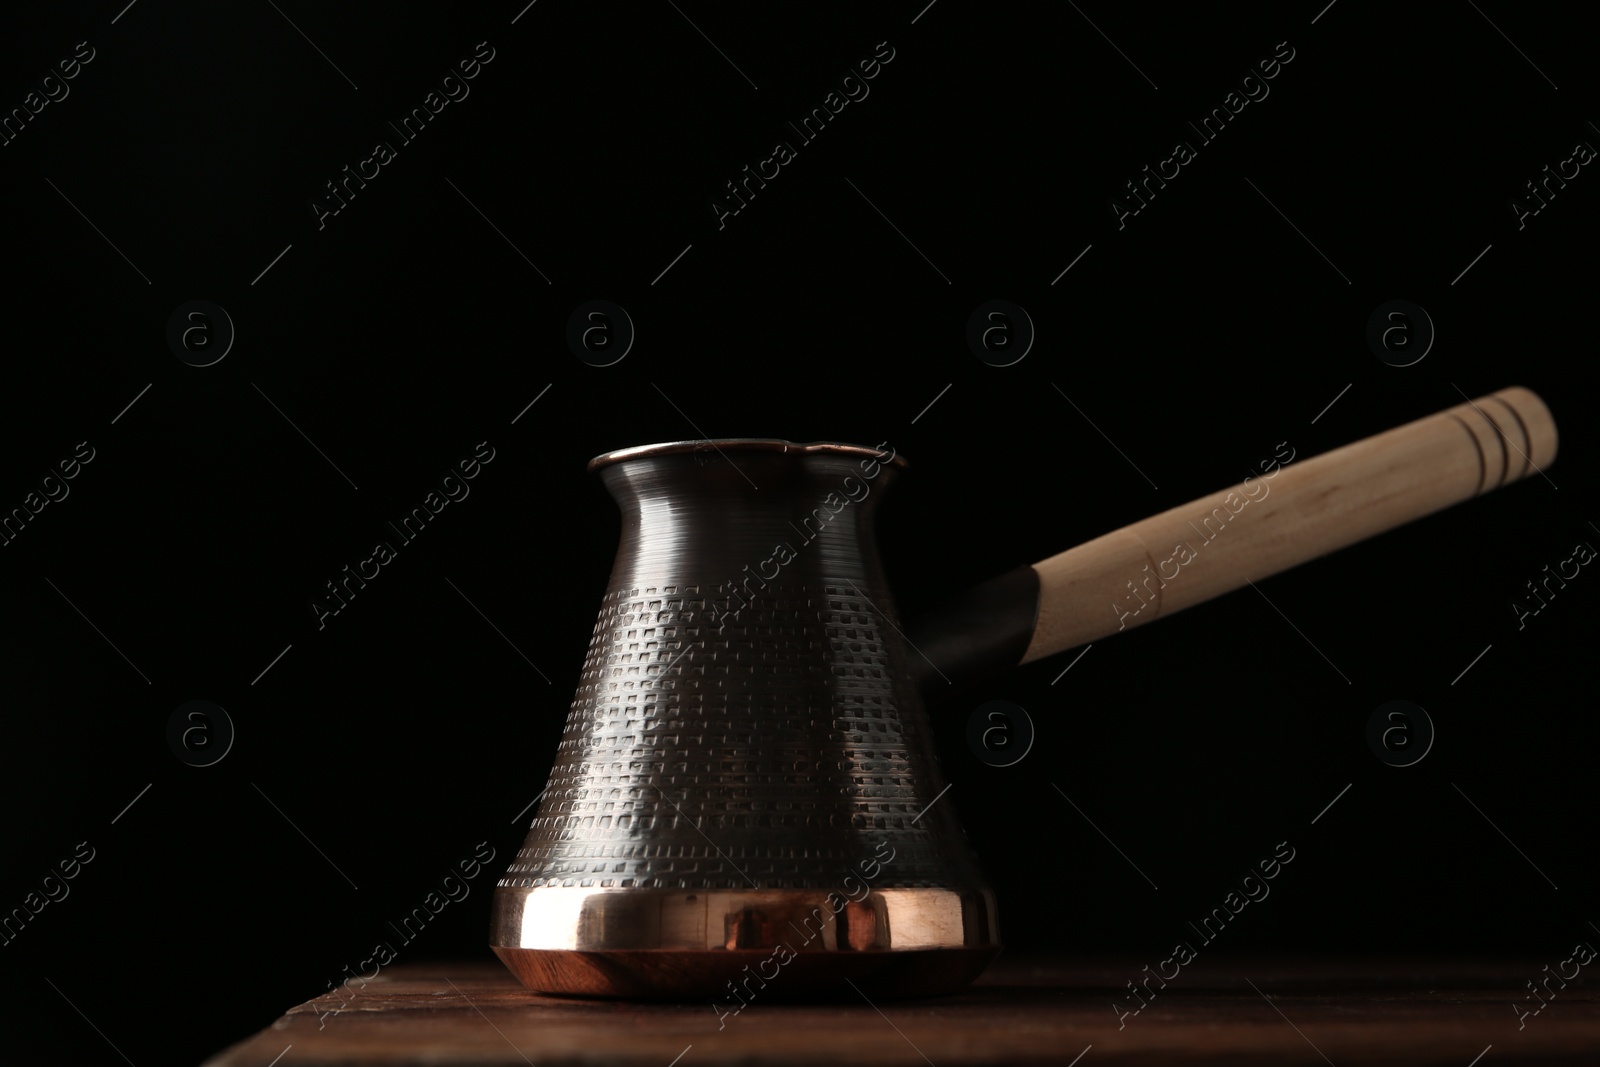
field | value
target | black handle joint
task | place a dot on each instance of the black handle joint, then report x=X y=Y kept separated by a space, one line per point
x=984 y=630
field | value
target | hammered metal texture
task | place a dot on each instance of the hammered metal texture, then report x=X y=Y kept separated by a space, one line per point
x=734 y=730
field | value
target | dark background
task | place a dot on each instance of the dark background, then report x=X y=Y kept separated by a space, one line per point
x=407 y=330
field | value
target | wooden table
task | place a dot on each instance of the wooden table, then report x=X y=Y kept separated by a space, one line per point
x=1241 y=1012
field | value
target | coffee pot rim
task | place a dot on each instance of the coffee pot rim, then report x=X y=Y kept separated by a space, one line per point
x=747 y=444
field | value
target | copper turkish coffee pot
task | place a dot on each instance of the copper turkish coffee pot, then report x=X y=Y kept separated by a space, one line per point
x=745 y=791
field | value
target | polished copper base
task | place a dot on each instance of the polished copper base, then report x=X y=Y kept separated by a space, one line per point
x=778 y=944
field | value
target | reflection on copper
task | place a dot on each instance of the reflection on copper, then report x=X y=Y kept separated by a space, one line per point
x=674 y=944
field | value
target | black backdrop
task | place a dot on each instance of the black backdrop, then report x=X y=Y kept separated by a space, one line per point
x=181 y=161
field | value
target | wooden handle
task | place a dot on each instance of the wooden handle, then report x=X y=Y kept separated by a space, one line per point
x=1287 y=514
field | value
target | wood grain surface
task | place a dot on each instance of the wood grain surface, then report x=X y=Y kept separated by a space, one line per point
x=1252 y=1011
